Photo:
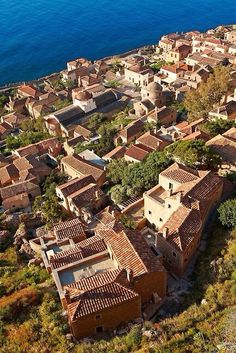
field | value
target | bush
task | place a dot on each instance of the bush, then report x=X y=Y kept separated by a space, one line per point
x=227 y=213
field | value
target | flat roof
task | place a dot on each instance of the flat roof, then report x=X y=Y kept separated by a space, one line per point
x=84 y=270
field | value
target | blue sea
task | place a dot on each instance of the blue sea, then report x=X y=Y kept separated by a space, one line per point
x=38 y=37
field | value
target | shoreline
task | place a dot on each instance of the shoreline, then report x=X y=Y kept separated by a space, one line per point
x=11 y=85
x=7 y=86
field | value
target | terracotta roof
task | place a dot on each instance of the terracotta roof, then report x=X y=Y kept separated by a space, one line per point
x=140 y=69
x=72 y=229
x=97 y=293
x=108 y=216
x=86 y=196
x=138 y=152
x=18 y=188
x=8 y=173
x=83 y=249
x=14 y=118
x=82 y=166
x=39 y=148
x=130 y=250
x=182 y=227
x=116 y=153
x=152 y=140
x=197 y=135
x=132 y=129
x=75 y=184
x=83 y=131
x=29 y=90
x=180 y=173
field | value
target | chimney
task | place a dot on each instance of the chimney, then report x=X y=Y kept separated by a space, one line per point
x=67 y=296
x=97 y=194
x=169 y=192
x=179 y=196
x=165 y=232
x=129 y=274
x=113 y=213
x=121 y=126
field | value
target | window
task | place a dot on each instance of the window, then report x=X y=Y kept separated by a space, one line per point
x=97 y=317
x=161 y=220
x=99 y=329
x=174 y=254
x=170 y=186
x=149 y=212
x=169 y=261
x=169 y=206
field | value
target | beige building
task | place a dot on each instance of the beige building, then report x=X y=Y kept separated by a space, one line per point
x=139 y=75
x=178 y=208
x=77 y=167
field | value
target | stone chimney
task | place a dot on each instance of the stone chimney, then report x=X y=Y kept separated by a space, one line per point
x=129 y=274
x=169 y=192
x=179 y=196
x=67 y=296
x=165 y=232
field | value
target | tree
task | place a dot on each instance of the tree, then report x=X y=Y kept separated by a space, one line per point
x=195 y=154
x=201 y=101
x=128 y=222
x=116 y=169
x=218 y=126
x=227 y=213
x=118 y=194
x=96 y=120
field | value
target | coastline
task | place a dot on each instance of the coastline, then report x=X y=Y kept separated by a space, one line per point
x=7 y=86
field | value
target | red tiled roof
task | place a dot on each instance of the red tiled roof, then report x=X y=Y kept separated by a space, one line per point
x=72 y=229
x=82 y=166
x=132 y=129
x=85 y=248
x=86 y=196
x=152 y=140
x=117 y=152
x=138 y=152
x=130 y=250
x=180 y=173
x=29 y=90
x=182 y=226
x=97 y=293
x=75 y=184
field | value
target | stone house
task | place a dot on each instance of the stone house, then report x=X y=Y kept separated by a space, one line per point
x=139 y=75
x=137 y=153
x=19 y=195
x=178 y=207
x=226 y=112
x=153 y=141
x=77 y=167
x=177 y=54
x=165 y=116
x=65 y=190
x=130 y=133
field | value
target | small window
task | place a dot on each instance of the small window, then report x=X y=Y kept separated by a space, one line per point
x=99 y=329
x=161 y=220
x=169 y=261
x=174 y=254
x=97 y=317
x=170 y=186
x=149 y=212
x=169 y=206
